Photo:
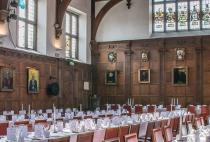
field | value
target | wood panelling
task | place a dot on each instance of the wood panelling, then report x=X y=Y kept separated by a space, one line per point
x=162 y=59
x=70 y=78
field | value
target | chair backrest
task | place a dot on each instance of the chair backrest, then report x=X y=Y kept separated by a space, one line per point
x=204 y=110
x=143 y=129
x=168 y=134
x=112 y=140
x=157 y=124
x=123 y=130
x=85 y=137
x=189 y=126
x=158 y=135
x=191 y=109
x=3 y=128
x=170 y=108
x=131 y=138
x=128 y=108
x=134 y=128
x=99 y=135
x=66 y=139
x=197 y=122
x=150 y=127
x=138 y=109
x=114 y=107
x=151 y=109
x=202 y=121
x=111 y=133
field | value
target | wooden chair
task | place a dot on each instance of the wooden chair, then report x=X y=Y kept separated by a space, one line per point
x=170 y=108
x=123 y=130
x=175 y=127
x=99 y=135
x=197 y=122
x=142 y=131
x=138 y=109
x=134 y=128
x=128 y=108
x=189 y=127
x=112 y=140
x=151 y=109
x=66 y=139
x=3 y=128
x=114 y=107
x=157 y=135
x=111 y=133
x=131 y=138
x=168 y=134
x=150 y=128
x=191 y=109
x=85 y=137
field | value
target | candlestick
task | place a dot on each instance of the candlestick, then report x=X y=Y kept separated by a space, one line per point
x=80 y=107
x=106 y=107
x=177 y=101
x=29 y=110
x=22 y=107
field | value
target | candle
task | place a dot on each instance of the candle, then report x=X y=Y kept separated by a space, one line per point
x=29 y=110
x=171 y=101
x=22 y=107
x=177 y=101
x=133 y=102
x=106 y=107
x=80 y=106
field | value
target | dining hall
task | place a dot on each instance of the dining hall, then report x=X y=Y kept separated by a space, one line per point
x=104 y=70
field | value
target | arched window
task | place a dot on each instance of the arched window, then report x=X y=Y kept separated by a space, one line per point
x=27 y=24
x=181 y=15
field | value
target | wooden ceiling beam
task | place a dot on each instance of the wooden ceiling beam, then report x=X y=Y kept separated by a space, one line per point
x=61 y=7
x=101 y=15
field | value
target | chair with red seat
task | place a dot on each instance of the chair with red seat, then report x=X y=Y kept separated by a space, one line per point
x=23 y=122
x=191 y=109
x=111 y=133
x=157 y=135
x=150 y=128
x=3 y=128
x=123 y=130
x=114 y=107
x=197 y=122
x=138 y=109
x=175 y=127
x=134 y=128
x=151 y=108
x=128 y=108
x=142 y=131
x=131 y=138
x=168 y=134
x=112 y=140
x=170 y=107
x=85 y=137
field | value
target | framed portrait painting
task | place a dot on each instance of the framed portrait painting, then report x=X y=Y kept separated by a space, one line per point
x=144 y=75
x=180 y=76
x=7 y=79
x=33 y=81
x=111 y=78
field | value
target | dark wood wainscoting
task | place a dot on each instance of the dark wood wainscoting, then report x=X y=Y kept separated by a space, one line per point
x=162 y=60
x=70 y=78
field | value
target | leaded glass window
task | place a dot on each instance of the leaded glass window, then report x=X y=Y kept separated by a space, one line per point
x=72 y=35
x=27 y=24
x=180 y=15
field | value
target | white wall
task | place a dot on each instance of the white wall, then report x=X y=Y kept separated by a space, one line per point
x=121 y=23
x=136 y=23
x=46 y=41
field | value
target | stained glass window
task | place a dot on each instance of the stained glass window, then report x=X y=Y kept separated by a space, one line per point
x=181 y=15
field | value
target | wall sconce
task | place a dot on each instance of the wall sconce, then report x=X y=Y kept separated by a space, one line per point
x=57 y=44
x=3 y=29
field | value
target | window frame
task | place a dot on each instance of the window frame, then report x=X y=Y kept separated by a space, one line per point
x=165 y=2
x=70 y=13
x=27 y=21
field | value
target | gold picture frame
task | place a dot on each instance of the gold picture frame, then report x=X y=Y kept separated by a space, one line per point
x=144 y=76
x=7 y=79
x=111 y=77
x=33 y=81
x=180 y=76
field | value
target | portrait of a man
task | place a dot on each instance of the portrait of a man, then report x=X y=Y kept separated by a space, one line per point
x=144 y=76
x=180 y=76
x=33 y=81
x=7 y=79
x=111 y=77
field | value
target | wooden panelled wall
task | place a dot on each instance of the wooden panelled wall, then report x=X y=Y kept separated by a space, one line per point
x=162 y=59
x=70 y=78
